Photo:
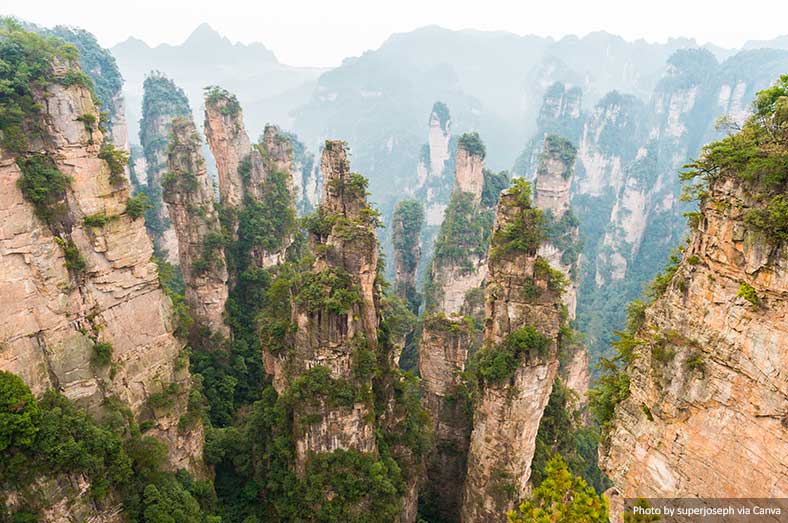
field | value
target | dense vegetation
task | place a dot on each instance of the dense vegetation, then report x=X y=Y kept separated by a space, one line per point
x=472 y=144
x=215 y=95
x=757 y=156
x=96 y=62
x=51 y=437
x=526 y=231
x=561 y=498
x=556 y=146
x=26 y=62
x=407 y=222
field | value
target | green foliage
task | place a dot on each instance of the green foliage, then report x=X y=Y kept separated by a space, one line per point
x=497 y=364
x=353 y=186
x=441 y=110
x=556 y=280
x=137 y=205
x=74 y=260
x=493 y=185
x=749 y=293
x=756 y=155
x=215 y=94
x=44 y=186
x=26 y=61
x=662 y=280
x=612 y=387
x=99 y=219
x=19 y=413
x=117 y=160
x=95 y=61
x=562 y=233
x=52 y=436
x=407 y=221
x=171 y=280
x=561 y=498
x=525 y=232
x=102 y=354
x=266 y=223
x=332 y=289
x=465 y=231
x=558 y=147
x=472 y=144
x=563 y=431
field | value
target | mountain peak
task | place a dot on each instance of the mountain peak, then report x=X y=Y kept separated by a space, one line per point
x=205 y=34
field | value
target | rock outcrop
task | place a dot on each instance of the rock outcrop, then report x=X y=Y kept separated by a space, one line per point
x=707 y=412
x=163 y=101
x=189 y=197
x=522 y=318
x=551 y=188
x=239 y=161
x=407 y=222
x=77 y=276
x=229 y=143
x=461 y=249
x=335 y=314
x=251 y=174
x=454 y=308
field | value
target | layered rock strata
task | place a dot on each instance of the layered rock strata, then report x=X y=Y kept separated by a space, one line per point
x=162 y=101
x=189 y=197
x=707 y=412
x=85 y=277
x=508 y=409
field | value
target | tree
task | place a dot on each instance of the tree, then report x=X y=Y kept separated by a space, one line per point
x=561 y=498
x=18 y=412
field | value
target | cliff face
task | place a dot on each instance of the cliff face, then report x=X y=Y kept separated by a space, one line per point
x=407 y=223
x=162 y=102
x=189 y=197
x=432 y=163
x=84 y=278
x=458 y=270
x=708 y=387
x=336 y=319
x=551 y=188
x=522 y=319
x=229 y=143
x=561 y=114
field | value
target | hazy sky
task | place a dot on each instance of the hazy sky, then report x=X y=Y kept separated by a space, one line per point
x=322 y=33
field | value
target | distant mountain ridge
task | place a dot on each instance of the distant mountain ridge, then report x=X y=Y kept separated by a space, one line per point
x=267 y=88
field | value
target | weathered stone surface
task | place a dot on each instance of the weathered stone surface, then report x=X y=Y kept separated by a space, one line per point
x=708 y=409
x=444 y=347
x=189 y=197
x=506 y=416
x=230 y=144
x=326 y=337
x=53 y=316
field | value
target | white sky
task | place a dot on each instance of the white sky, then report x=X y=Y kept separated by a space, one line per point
x=322 y=33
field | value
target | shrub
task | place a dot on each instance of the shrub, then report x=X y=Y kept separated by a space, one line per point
x=102 y=354
x=74 y=260
x=526 y=231
x=472 y=144
x=497 y=364
x=137 y=205
x=43 y=185
x=98 y=220
x=117 y=160
x=749 y=293
x=561 y=497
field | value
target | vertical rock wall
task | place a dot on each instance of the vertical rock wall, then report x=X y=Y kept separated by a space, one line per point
x=507 y=413
x=189 y=197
